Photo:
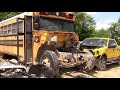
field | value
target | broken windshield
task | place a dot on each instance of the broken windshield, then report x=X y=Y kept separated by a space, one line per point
x=95 y=42
x=56 y=24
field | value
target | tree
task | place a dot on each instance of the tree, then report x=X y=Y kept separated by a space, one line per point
x=115 y=30
x=5 y=15
x=85 y=25
x=102 y=33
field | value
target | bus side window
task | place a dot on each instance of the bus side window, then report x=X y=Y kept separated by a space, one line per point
x=20 y=27
x=14 y=28
x=36 y=21
x=5 y=30
x=2 y=31
x=9 y=29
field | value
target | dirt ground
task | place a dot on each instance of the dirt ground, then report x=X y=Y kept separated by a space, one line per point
x=113 y=71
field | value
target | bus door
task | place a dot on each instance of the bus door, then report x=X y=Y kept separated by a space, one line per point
x=28 y=47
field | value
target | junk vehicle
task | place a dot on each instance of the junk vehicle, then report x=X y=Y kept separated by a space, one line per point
x=105 y=50
x=45 y=38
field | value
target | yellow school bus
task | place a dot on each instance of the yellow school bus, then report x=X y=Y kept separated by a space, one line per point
x=47 y=38
x=18 y=34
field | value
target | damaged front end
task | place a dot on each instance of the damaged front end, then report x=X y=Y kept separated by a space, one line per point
x=84 y=60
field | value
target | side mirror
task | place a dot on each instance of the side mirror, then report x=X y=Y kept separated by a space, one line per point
x=36 y=20
x=112 y=46
x=36 y=26
x=81 y=46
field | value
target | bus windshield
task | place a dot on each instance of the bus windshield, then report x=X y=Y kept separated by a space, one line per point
x=56 y=24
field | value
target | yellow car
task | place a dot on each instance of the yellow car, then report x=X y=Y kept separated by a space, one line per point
x=104 y=49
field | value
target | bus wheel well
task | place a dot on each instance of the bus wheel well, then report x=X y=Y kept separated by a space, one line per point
x=46 y=46
x=8 y=56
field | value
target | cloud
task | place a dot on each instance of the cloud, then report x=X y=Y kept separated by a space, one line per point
x=104 y=24
x=102 y=20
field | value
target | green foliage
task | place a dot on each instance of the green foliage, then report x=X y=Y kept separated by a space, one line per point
x=115 y=30
x=85 y=25
x=102 y=33
x=5 y=15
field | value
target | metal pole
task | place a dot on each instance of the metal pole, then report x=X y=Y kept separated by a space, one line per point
x=25 y=51
x=18 y=39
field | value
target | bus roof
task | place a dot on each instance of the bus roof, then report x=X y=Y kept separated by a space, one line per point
x=17 y=16
x=22 y=14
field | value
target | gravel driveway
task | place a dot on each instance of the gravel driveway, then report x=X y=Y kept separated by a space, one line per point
x=113 y=71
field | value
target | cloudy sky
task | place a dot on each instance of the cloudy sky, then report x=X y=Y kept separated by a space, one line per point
x=104 y=18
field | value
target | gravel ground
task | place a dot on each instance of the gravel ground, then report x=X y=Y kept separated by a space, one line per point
x=113 y=71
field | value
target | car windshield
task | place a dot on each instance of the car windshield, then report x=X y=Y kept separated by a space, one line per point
x=56 y=24
x=94 y=42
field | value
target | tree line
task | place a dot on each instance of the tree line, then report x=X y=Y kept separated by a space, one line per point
x=85 y=26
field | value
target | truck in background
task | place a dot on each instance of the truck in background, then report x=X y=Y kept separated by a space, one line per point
x=104 y=50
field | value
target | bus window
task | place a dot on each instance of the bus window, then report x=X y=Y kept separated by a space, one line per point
x=36 y=22
x=14 y=27
x=5 y=30
x=20 y=28
x=2 y=31
x=55 y=24
x=50 y=24
x=68 y=26
x=9 y=29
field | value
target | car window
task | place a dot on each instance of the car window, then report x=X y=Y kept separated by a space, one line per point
x=112 y=42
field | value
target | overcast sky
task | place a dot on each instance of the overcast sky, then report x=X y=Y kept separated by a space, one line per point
x=104 y=18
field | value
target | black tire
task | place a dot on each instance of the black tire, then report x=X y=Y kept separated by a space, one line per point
x=53 y=59
x=118 y=61
x=101 y=64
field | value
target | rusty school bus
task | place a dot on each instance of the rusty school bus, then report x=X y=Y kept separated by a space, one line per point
x=33 y=36
x=27 y=27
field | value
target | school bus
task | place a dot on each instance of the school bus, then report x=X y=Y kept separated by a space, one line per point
x=44 y=37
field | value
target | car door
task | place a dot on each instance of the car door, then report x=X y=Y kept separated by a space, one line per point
x=112 y=50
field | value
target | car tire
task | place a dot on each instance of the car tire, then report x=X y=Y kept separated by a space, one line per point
x=118 y=61
x=101 y=64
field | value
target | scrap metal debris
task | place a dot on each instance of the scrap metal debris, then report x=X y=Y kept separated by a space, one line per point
x=11 y=69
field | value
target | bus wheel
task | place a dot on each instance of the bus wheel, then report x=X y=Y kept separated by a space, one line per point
x=50 y=60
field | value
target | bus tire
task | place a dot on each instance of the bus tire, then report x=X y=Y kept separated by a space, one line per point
x=50 y=60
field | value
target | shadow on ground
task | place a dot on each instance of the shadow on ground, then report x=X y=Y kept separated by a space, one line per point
x=70 y=71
